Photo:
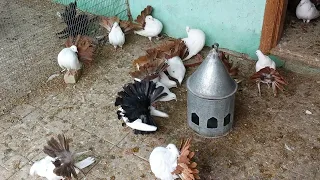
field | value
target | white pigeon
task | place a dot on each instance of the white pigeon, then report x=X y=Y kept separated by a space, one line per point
x=44 y=167
x=306 y=11
x=264 y=61
x=152 y=28
x=170 y=96
x=194 y=42
x=116 y=36
x=164 y=79
x=176 y=68
x=163 y=161
x=68 y=59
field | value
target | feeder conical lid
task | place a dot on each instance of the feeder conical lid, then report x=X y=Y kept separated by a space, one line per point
x=211 y=80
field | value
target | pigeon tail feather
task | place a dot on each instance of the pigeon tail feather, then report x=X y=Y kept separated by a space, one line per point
x=59 y=149
x=186 y=169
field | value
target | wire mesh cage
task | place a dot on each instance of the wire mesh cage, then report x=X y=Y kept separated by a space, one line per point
x=32 y=32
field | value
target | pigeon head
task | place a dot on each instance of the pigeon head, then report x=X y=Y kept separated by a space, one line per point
x=173 y=149
x=115 y=25
x=177 y=74
x=149 y=18
x=259 y=53
x=172 y=96
x=74 y=48
x=187 y=29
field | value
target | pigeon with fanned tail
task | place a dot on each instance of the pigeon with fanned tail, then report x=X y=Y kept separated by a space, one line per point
x=307 y=11
x=60 y=162
x=68 y=59
x=266 y=73
x=117 y=29
x=269 y=76
x=135 y=103
x=167 y=163
x=195 y=41
x=148 y=26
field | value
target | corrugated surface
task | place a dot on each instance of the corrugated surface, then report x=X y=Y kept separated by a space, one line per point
x=235 y=25
x=101 y=7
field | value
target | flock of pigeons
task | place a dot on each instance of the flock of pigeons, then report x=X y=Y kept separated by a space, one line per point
x=155 y=73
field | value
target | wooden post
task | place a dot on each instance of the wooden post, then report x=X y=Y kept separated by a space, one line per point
x=273 y=21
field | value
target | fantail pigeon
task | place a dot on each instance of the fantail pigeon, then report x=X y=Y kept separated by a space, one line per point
x=148 y=26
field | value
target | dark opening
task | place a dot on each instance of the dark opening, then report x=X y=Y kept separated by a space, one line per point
x=298 y=34
x=195 y=118
x=212 y=123
x=226 y=120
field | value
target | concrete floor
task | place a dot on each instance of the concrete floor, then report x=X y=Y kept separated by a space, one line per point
x=272 y=138
x=28 y=47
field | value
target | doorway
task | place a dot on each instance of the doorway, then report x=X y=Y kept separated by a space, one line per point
x=286 y=36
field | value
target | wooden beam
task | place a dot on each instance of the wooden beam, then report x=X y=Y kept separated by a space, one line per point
x=273 y=21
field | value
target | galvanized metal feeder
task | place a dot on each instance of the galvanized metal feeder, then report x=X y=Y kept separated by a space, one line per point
x=211 y=97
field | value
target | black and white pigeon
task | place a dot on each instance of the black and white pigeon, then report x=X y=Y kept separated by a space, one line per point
x=60 y=162
x=136 y=108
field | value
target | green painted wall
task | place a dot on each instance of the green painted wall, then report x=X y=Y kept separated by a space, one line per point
x=101 y=7
x=235 y=25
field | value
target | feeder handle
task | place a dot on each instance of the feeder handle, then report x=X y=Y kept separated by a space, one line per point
x=215 y=46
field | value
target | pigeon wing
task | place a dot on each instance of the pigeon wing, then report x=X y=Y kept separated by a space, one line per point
x=150 y=70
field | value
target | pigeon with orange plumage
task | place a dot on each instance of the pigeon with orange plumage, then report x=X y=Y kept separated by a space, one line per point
x=266 y=73
x=146 y=25
x=168 y=163
x=117 y=29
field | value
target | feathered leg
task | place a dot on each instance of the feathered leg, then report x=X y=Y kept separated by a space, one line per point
x=259 y=88
x=274 y=89
x=268 y=85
